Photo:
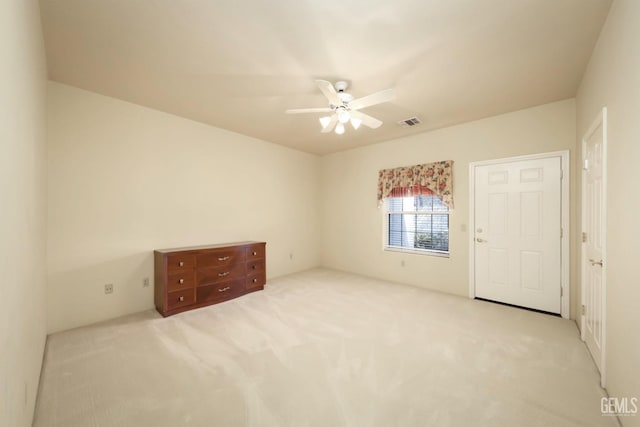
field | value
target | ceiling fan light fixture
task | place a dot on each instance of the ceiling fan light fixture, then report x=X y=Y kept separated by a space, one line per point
x=324 y=121
x=355 y=123
x=343 y=116
x=339 y=128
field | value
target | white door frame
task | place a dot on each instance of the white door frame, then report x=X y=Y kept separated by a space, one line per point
x=564 y=206
x=601 y=119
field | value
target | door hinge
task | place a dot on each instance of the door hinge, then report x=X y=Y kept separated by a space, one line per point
x=561 y=292
x=561 y=173
x=584 y=237
x=561 y=233
x=584 y=310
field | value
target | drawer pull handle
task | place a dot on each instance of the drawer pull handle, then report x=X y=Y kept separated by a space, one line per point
x=225 y=289
x=255 y=280
x=181 y=281
x=254 y=266
x=181 y=263
x=181 y=299
x=226 y=273
x=255 y=253
x=224 y=258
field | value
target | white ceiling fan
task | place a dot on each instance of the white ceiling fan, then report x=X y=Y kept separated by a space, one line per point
x=345 y=108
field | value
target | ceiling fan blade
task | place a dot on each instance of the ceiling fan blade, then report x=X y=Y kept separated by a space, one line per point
x=373 y=99
x=329 y=91
x=309 y=110
x=367 y=120
x=331 y=125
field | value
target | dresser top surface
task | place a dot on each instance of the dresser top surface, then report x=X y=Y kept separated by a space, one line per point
x=203 y=247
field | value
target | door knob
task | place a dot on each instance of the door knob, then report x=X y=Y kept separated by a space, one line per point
x=594 y=262
x=479 y=240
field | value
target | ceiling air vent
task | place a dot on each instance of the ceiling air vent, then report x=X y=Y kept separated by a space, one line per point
x=413 y=121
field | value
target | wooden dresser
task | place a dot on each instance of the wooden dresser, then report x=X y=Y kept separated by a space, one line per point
x=197 y=276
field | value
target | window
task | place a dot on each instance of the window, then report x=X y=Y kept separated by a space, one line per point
x=417 y=224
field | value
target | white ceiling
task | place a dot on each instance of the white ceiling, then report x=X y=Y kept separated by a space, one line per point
x=239 y=64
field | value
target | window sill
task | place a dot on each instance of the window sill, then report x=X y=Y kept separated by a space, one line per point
x=439 y=254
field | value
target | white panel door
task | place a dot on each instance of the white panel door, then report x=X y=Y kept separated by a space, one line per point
x=518 y=233
x=593 y=286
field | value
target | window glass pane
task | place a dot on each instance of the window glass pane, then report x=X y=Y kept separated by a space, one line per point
x=424 y=203
x=409 y=203
x=394 y=204
x=438 y=206
x=432 y=232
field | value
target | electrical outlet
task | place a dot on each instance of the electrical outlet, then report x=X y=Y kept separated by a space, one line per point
x=108 y=288
x=402 y=263
x=145 y=282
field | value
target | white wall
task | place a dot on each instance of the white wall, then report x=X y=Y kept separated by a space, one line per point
x=612 y=79
x=352 y=222
x=22 y=209
x=125 y=180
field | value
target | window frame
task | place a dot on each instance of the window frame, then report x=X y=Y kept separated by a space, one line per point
x=428 y=252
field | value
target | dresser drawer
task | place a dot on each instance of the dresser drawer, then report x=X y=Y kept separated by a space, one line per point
x=255 y=266
x=220 y=257
x=214 y=275
x=177 y=263
x=180 y=299
x=256 y=280
x=256 y=251
x=179 y=281
x=219 y=292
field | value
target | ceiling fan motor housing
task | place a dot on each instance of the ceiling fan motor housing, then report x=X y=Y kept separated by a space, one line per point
x=345 y=97
x=341 y=86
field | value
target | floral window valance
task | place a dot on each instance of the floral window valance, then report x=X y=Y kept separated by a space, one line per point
x=426 y=179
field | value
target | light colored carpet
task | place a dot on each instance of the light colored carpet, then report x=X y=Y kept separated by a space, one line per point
x=324 y=348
